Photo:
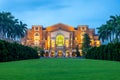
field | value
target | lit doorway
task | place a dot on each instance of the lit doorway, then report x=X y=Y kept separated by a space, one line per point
x=60 y=53
x=46 y=54
x=74 y=54
x=52 y=54
x=67 y=54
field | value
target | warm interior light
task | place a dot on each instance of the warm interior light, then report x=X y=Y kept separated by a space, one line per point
x=67 y=43
x=60 y=40
x=48 y=41
x=53 y=43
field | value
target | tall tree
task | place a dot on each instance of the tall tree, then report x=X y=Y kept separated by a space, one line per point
x=6 y=20
x=111 y=30
x=11 y=28
x=86 y=43
x=77 y=51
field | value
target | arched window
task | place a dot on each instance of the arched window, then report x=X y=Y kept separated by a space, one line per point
x=36 y=28
x=36 y=34
x=60 y=40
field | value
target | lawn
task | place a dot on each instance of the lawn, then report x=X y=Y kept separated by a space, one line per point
x=60 y=69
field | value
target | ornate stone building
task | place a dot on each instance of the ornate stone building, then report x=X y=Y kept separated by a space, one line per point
x=59 y=39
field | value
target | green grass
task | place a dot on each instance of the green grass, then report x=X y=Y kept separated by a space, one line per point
x=60 y=69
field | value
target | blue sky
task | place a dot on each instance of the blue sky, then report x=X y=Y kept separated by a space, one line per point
x=71 y=12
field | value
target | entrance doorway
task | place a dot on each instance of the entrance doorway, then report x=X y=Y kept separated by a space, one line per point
x=46 y=54
x=74 y=54
x=67 y=54
x=60 y=53
x=52 y=54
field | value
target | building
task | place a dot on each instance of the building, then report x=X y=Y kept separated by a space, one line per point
x=59 y=39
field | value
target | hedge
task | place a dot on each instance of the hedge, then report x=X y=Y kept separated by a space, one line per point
x=15 y=51
x=105 y=52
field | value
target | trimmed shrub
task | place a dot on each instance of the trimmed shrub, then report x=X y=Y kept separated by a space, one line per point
x=15 y=51
x=105 y=52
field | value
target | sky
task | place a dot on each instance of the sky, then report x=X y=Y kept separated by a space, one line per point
x=71 y=12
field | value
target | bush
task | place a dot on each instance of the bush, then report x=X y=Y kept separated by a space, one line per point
x=14 y=51
x=105 y=52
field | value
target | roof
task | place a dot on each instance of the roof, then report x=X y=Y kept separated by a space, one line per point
x=60 y=26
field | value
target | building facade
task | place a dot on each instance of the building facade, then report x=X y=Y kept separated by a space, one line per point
x=59 y=39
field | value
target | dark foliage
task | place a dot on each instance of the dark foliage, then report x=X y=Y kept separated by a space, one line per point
x=110 y=31
x=86 y=41
x=14 y=51
x=105 y=52
x=40 y=51
x=11 y=29
x=86 y=44
x=77 y=51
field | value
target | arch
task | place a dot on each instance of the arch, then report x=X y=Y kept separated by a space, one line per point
x=60 y=53
x=36 y=34
x=67 y=54
x=36 y=39
x=52 y=54
x=60 y=40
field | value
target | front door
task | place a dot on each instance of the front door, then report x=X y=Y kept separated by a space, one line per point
x=60 y=53
x=67 y=54
x=52 y=54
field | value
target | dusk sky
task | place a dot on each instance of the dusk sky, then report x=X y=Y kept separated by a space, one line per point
x=71 y=12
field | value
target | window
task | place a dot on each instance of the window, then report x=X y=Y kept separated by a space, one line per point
x=53 y=43
x=36 y=34
x=67 y=43
x=82 y=28
x=36 y=43
x=36 y=29
x=60 y=40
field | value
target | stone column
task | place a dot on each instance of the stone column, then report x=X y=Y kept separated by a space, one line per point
x=70 y=53
x=55 y=53
x=49 y=53
x=64 y=54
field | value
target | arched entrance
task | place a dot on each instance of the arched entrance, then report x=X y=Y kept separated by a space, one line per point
x=46 y=54
x=60 y=44
x=52 y=54
x=67 y=54
x=74 y=54
x=60 y=53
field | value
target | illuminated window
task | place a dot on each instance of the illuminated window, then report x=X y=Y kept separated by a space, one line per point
x=36 y=43
x=60 y=40
x=82 y=28
x=36 y=29
x=36 y=34
x=75 y=38
x=67 y=43
x=53 y=43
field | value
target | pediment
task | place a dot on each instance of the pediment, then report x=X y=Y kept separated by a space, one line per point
x=60 y=26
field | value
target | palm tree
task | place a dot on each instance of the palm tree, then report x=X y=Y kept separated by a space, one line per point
x=6 y=23
x=102 y=33
x=23 y=28
x=11 y=28
x=86 y=44
x=86 y=41
x=111 y=30
x=115 y=22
